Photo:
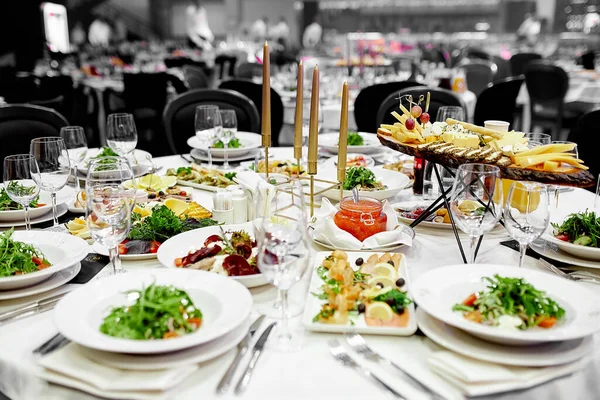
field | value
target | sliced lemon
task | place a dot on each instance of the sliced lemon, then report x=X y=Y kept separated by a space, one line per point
x=380 y=310
x=468 y=206
x=168 y=181
x=177 y=206
x=385 y=269
x=143 y=211
x=385 y=280
x=375 y=291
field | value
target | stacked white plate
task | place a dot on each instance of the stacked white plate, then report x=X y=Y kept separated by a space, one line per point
x=225 y=305
x=141 y=162
x=41 y=214
x=63 y=251
x=436 y=291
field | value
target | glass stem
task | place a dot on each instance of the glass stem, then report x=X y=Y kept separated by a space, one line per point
x=77 y=184
x=27 y=221
x=522 y=251
x=54 y=212
x=284 y=333
x=209 y=153
x=226 y=148
x=278 y=300
x=473 y=246
x=115 y=260
x=556 y=195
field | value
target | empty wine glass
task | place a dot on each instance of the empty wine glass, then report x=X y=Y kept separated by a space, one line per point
x=19 y=183
x=526 y=213
x=541 y=138
x=208 y=127
x=446 y=112
x=283 y=249
x=77 y=147
x=476 y=201
x=229 y=121
x=121 y=134
x=575 y=153
x=54 y=167
x=109 y=204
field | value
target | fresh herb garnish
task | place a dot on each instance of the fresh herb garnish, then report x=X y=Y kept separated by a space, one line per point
x=230 y=175
x=354 y=139
x=359 y=277
x=18 y=257
x=233 y=144
x=320 y=296
x=325 y=313
x=106 y=152
x=397 y=300
x=581 y=228
x=184 y=170
x=361 y=176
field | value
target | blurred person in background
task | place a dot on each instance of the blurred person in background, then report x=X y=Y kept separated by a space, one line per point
x=120 y=30
x=280 y=32
x=259 y=30
x=529 y=30
x=78 y=35
x=100 y=32
x=591 y=21
x=312 y=34
x=198 y=31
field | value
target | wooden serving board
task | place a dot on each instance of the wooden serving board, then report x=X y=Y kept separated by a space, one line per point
x=567 y=177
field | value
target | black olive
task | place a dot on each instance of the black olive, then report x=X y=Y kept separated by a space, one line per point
x=152 y=196
x=400 y=310
x=391 y=263
x=391 y=302
x=161 y=193
x=362 y=308
x=359 y=261
x=381 y=285
x=400 y=282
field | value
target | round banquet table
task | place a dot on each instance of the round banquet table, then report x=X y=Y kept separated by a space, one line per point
x=311 y=373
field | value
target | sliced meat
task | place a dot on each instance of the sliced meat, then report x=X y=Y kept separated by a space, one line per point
x=198 y=255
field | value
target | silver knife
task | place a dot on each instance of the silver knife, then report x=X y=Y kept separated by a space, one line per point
x=256 y=352
x=7 y=316
x=225 y=382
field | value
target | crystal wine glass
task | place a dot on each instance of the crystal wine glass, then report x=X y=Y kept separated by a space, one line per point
x=19 y=183
x=229 y=121
x=541 y=138
x=283 y=249
x=121 y=134
x=526 y=213
x=77 y=147
x=208 y=127
x=476 y=201
x=109 y=204
x=453 y=112
x=54 y=167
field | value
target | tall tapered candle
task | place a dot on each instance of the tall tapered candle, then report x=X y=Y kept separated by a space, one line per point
x=343 y=143
x=266 y=98
x=313 y=133
x=299 y=116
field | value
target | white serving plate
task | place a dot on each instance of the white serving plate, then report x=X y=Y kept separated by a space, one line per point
x=193 y=355
x=551 y=251
x=60 y=211
x=332 y=162
x=436 y=291
x=200 y=155
x=225 y=305
x=100 y=249
x=578 y=251
x=62 y=196
x=248 y=140
x=56 y=280
x=330 y=142
x=200 y=186
x=139 y=157
x=395 y=182
x=180 y=245
x=543 y=355
x=313 y=304
x=61 y=249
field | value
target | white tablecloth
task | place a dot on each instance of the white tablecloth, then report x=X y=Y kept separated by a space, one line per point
x=311 y=373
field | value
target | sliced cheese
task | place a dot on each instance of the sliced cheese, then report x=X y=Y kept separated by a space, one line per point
x=509 y=139
x=548 y=148
x=384 y=132
x=466 y=141
x=551 y=165
x=527 y=161
x=398 y=116
x=399 y=136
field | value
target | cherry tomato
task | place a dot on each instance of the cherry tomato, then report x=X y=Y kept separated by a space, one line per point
x=195 y=321
x=123 y=248
x=154 y=245
x=563 y=236
x=178 y=262
x=469 y=301
x=182 y=193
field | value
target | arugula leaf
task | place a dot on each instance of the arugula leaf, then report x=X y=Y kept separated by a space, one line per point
x=354 y=139
x=184 y=170
x=360 y=277
x=576 y=225
x=320 y=296
x=397 y=300
x=233 y=144
x=361 y=176
x=230 y=175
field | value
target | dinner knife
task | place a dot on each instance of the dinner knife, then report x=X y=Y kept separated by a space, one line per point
x=257 y=351
x=9 y=315
x=225 y=382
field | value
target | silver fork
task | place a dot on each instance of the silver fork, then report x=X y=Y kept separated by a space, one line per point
x=340 y=354
x=577 y=276
x=359 y=344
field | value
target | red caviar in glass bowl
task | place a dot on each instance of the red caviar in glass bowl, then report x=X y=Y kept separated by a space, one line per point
x=362 y=219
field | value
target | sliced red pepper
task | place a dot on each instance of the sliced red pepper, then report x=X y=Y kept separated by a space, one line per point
x=469 y=301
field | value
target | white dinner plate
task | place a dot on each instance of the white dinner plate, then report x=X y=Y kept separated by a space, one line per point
x=100 y=249
x=332 y=162
x=248 y=140
x=576 y=250
x=139 y=158
x=224 y=304
x=56 y=280
x=200 y=155
x=543 y=355
x=330 y=142
x=313 y=304
x=193 y=355
x=60 y=249
x=180 y=245
x=439 y=289
x=62 y=196
x=199 y=186
x=551 y=251
x=60 y=211
x=395 y=182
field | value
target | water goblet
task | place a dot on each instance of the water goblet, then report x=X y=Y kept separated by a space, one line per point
x=19 y=183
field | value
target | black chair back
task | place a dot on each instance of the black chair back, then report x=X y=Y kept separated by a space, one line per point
x=145 y=91
x=248 y=70
x=503 y=71
x=195 y=78
x=439 y=98
x=56 y=92
x=254 y=92
x=584 y=133
x=518 y=62
x=479 y=74
x=504 y=92
x=19 y=89
x=370 y=98
x=179 y=115
x=19 y=123
x=479 y=54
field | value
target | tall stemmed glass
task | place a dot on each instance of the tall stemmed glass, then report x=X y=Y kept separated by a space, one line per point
x=283 y=249
x=109 y=204
x=453 y=112
x=229 y=121
x=54 y=167
x=19 y=183
x=121 y=133
x=77 y=147
x=575 y=153
x=208 y=127
x=526 y=213
x=476 y=201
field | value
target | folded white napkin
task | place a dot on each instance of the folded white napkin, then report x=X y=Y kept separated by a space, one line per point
x=69 y=367
x=478 y=378
x=253 y=184
x=326 y=231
